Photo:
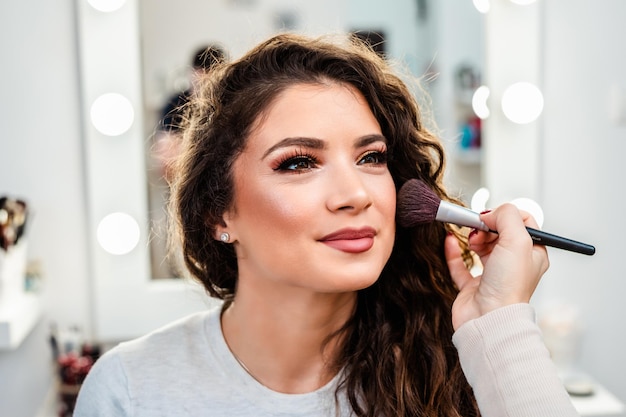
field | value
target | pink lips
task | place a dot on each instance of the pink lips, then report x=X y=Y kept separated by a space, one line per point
x=351 y=240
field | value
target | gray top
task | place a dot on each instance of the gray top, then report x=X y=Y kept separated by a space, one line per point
x=187 y=369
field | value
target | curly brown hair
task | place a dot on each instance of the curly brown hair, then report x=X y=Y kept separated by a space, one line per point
x=398 y=345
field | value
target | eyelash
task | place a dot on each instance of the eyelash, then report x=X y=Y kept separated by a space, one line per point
x=299 y=156
x=381 y=154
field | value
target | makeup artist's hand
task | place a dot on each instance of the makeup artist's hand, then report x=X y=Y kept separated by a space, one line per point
x=512 y=265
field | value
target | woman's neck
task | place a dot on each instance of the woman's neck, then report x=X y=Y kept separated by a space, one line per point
x=283 y=342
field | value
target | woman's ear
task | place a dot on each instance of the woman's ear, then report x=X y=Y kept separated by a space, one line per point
x=224 y=231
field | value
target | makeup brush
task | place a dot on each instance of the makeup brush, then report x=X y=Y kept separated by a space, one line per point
x=418 y=204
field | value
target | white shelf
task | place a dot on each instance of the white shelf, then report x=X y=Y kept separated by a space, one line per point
x=602 y=403
x=17 y=318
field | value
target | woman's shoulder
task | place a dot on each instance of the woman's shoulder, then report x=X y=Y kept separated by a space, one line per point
x=175 y=337
x=140 y=371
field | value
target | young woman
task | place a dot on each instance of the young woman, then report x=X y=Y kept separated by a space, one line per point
x=285 y=201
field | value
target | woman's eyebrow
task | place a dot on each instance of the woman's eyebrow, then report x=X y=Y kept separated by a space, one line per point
x=312 y=143
x=368 y=139
x=315 y=143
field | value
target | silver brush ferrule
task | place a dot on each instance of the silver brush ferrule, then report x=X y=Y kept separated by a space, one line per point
x=461 y=216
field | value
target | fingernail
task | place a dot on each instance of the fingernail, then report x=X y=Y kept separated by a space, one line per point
x=485 y=211
x=472 y=233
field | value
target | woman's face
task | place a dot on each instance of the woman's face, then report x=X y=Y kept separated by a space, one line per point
x=314 y=203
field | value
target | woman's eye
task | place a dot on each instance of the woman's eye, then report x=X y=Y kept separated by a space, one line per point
x=299 y=163
x=374 y=157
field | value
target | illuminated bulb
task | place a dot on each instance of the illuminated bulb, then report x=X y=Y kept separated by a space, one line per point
x=482 y=5
x=479 y=200
x=530 y=206
x=522 y=102
x=106 y=6
x=118 y=233
x=479 y=102
x=112 y=114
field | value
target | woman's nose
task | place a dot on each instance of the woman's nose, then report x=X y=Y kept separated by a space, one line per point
x=348 y=191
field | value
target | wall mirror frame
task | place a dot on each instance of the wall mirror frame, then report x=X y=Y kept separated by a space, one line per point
x=126 y=300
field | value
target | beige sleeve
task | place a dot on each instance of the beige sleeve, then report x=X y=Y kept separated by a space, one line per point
x=508 y=366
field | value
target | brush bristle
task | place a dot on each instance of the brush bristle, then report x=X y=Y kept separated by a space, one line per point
x=417 y=204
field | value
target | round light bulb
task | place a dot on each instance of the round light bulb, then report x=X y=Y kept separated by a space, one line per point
x=118 y=233
x=479 y=200
x=530 y=206
x=523 y=2
x=479 y=102
x=482 y=5
x=112 y=114
x=106 y=6
x=522 y=102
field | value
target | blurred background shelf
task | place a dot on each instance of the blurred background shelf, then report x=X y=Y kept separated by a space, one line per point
x=18 y=316
x=601 y=403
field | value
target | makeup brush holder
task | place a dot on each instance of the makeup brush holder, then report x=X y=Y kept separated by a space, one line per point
x=12 y=272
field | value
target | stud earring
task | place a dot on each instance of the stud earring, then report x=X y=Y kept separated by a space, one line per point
x=225 y=237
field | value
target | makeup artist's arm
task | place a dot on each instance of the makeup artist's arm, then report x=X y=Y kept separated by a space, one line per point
x=508 y=366
x=499 y=343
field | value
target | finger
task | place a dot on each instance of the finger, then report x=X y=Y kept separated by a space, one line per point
x=509 y=222
x=526 y=217
x=529 y=219
x=540 y=251
x=482 y=242
x=479 y=237
x=524 y=259
x=454 y=257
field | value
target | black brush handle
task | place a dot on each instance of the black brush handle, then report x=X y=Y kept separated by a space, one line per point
x=548 y=239
x=462 y=216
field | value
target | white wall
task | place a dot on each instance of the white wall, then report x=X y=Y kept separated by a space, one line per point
x=41 y=145
x=583 y=173
x=41 y=161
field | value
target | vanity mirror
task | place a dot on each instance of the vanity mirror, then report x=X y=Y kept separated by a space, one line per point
x=139 y=54
x=234 y=27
